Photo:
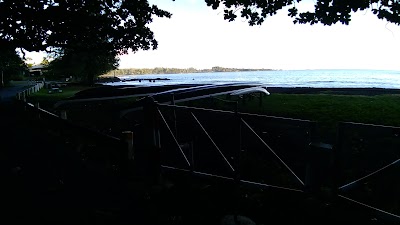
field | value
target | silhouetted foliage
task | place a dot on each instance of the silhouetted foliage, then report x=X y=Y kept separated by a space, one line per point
x=162 y=70
x=87 y=36
x=327 y=12
x=11 y=64
x=110 y=28
x=40 y=24
x=82 y=64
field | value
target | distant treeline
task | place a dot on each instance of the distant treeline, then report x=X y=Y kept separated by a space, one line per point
x=161 y=70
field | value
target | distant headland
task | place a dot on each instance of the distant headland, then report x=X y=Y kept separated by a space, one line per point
x=162 y=70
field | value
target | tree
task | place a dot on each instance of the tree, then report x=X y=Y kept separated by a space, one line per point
x=36 y=25
x=327 y=12
x=11 y=64
x=78 y=29
x=82 y=64
x=112 y=27
x=45 y=61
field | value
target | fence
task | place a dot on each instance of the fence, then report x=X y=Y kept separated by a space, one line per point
x=367 y=167
x=252 y=150
x=25 y=93
x=105 y=154
x=230 y=145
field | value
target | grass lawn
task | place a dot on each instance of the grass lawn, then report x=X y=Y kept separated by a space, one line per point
x=326 y=109
x=47 y=100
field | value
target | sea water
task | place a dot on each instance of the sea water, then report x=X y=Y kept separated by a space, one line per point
x=280 y=78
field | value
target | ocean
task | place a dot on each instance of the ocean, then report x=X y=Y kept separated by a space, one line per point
x=280 y=78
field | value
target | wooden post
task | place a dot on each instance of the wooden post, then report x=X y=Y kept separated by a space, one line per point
x=2 y=78
x=243 y=99
x=152 y=142
x=19 y=95
x=63 y=114
x=319 y=167
x=128 y=137
x=175 y=124
x=37 y=107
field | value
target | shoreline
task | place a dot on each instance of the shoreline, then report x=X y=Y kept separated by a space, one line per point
x=334 y=91
x=102 y=90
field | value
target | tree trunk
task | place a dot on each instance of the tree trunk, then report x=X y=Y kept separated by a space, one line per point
x=89 y=80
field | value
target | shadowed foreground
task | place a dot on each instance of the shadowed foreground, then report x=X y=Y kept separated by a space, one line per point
x=46 y=181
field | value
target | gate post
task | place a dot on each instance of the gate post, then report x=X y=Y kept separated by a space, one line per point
x=128 y=138
x=37 y=107
x=63 y=114
x=152 y=146
x=319 y=168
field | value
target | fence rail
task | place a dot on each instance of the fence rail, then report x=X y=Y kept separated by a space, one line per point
x=351 y=133
x=336 y=154
x=114 y=152
x=165 y=127
x=238 y=118
x=27 y=92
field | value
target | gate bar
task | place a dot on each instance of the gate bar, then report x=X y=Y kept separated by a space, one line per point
x=273 y=152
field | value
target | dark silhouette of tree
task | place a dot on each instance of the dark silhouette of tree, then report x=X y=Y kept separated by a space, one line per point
x=327 y=12
x=11 y=64
x=112 y=27
x=37 y=25
x=82 y=64
x=80 y=32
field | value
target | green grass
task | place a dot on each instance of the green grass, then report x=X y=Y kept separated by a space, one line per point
x=47 y=100
x=382 y=109
x=325 y=109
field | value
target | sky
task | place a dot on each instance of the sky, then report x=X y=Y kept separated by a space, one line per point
x=198 y=36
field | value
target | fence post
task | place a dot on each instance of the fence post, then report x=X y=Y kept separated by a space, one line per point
x=63 y=114
x=128 y=138
x=319 y=168
x=37 y=107
x=339 y=154
x=239 y=139
x=175 y=124
x=152 y=146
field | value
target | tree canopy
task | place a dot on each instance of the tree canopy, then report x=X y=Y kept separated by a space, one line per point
x=86 y=36
x=81 y=28
x=122 y=25
x=327 y=12
x=11 y=64
x=37 y=25
x=82 y=64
